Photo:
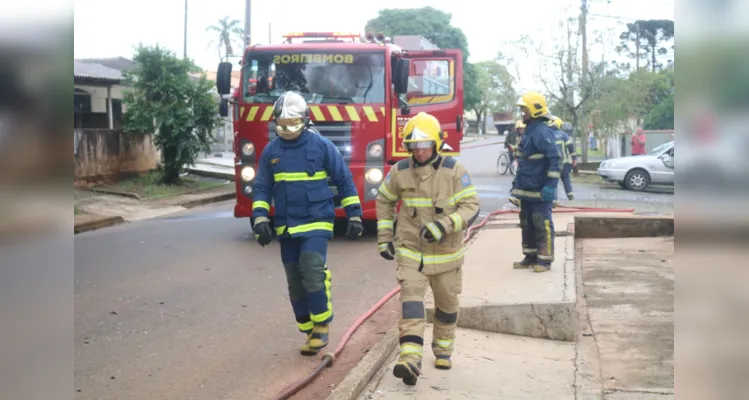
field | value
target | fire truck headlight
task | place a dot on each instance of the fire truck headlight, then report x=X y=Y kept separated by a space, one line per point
x=375 y=150
x=248 y=174
x=248 y=149
x=374 y=175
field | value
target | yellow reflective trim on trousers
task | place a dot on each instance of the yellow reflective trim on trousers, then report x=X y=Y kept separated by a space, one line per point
x=553 y=174
x=299 y=176
x=547 y=227
x=385 y=192
x=385 y=224
x=435 y=259
x=261 y=204
x=323 y=316
x=307 y=326
x=350 y=200
x=526 y=193
x=443 y=343
x=315 y=226
x=457 y=221
x=536 y=157
x=411 y=349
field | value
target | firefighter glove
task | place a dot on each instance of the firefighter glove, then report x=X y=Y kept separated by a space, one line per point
x=433 y=231
x=387 y=251
x=263 y=231
x=548 y=193
x=354 y=229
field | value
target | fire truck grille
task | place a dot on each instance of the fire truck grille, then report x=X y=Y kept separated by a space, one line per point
x=337 y=132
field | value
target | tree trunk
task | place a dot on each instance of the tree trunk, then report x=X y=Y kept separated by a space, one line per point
x=171 y=169
x=582 y=133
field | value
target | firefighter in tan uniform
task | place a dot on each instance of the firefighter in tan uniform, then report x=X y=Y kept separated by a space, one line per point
x=439 y=203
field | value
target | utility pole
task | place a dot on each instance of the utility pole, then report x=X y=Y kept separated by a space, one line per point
x=247 y=22
x=184 y=48
x=584 y=77
x=637 y=46
x=584 y=33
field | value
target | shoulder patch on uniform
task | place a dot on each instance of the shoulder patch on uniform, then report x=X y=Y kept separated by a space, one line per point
x=275 y=160
x=403 y=164
x=449 y=162
x=465 y=180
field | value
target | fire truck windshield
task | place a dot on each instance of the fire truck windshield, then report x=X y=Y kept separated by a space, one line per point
x=322 y=78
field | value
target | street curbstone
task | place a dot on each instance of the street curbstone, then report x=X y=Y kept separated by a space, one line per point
x=359 y=377
x=90 y=223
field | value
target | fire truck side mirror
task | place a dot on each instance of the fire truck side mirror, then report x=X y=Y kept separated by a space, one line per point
x=223 y=78
x=400 y=76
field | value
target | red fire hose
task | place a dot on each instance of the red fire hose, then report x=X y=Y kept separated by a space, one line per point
x=329 y=358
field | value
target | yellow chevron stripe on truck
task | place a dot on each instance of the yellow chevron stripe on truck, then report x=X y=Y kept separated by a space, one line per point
x=319 y=113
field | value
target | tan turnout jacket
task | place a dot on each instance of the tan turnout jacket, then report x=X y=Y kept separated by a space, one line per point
x=440 y=191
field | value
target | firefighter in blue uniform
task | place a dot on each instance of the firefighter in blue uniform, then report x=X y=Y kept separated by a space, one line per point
x=293 y=171
x=535 y=185
x=567 y=151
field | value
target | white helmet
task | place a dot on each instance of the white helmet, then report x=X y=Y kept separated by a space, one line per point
x=291 y=115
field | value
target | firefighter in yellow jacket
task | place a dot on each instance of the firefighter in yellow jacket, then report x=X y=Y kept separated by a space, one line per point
x=439 y=203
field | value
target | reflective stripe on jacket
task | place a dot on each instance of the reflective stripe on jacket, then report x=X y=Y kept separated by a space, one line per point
x=294 y=175
x=441 y=191
x=539 y=161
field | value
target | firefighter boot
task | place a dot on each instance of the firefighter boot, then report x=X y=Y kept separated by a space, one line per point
x=319 y=337
x=527 y=262
x=306 y=350
x=408 y=370
x=542 y=266
x=443 y=362
x=570 y=196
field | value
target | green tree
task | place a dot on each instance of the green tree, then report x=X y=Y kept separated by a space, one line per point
x=180 y=111
x=661 y=116
x=434 y=25
x=229 y=34
x=647 y=39
x=495 y=88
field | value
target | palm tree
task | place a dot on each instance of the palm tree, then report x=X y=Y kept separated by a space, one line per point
x=228 y=34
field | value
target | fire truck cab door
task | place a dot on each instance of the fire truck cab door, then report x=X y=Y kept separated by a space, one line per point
x=435 y=86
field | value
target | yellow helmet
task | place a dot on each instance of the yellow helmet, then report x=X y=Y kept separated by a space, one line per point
x=519 y=124
x=423 y=131
x=536 y=104
x=555 y=121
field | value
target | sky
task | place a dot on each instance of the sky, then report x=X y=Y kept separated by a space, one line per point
x=109 y=28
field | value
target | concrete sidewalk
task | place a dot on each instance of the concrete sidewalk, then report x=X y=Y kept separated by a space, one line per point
x=508 y=316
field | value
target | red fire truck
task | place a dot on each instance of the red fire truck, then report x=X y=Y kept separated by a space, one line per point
x=360 y=92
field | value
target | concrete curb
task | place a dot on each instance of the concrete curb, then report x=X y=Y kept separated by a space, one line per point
x=208 y=200
x=623 y=227
x=113 y=192
x=97 y=223
x=553 y=321
x=211 y=174
x=359 y=377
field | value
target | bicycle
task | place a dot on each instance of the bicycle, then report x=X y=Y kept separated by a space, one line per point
x=503 y=164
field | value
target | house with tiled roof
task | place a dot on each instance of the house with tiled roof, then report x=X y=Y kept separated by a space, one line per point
x=98 y=92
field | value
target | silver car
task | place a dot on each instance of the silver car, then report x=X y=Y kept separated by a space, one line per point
x=639 y=172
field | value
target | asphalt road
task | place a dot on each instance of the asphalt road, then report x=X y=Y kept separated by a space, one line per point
x=481 y=160
x=189 y=307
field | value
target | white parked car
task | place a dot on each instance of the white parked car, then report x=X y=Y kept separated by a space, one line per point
x=639 y=172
